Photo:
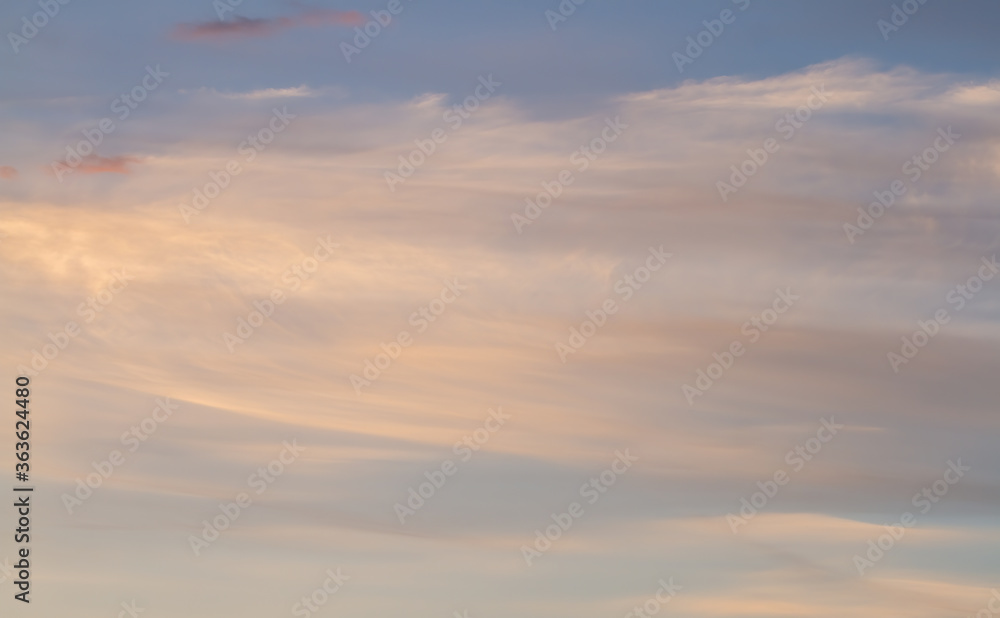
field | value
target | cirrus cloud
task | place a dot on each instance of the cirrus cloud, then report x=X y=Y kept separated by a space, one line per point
x=261 y=27
x=96 y=164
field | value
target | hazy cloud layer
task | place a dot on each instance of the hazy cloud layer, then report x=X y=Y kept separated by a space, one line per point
x=181 y=274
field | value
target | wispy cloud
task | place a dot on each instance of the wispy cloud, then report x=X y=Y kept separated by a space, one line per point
x=622 y=390
x=324 y=17
x=241 y=27
x=7 y=172
x=272 y=93
x=96 y=164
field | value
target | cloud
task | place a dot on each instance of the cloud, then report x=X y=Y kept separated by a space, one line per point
x=323 y=17
x=7 y=172
x=261 y=27
x=493 y=346
x=239 y=27
x=96 y=164
x=272 y=93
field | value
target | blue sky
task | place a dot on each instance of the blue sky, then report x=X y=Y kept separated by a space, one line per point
x=601 y=50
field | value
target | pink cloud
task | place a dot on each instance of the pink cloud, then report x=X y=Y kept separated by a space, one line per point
x=95 y=164
x=7 y=172
x=247 y=27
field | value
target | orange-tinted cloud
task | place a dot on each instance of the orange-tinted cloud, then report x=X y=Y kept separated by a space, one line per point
x=7 y=172
x=96 y=164
x=247 y=27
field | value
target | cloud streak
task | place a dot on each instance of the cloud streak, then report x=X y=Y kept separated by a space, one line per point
x=96 y=164
x=246 y=27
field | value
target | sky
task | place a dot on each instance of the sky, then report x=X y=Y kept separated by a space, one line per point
x=489 y=309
